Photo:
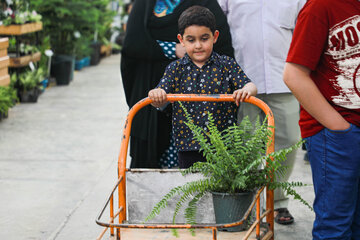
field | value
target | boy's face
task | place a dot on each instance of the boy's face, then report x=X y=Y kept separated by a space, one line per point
x=198 y=42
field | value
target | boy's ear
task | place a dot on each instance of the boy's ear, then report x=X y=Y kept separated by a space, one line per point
x=180 y=39
x=216 y=35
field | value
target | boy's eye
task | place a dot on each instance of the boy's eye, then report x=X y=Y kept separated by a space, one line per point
x=204 y=39
x=191 y=40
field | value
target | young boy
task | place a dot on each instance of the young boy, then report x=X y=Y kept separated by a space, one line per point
x=200 y=71
x=322 y=71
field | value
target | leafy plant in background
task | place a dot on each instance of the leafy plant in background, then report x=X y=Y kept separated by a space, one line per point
x=22 y=17
x=103 y=27
x=44 y=60
x=18 y=13
x=62 y=18
x=13 y=80
x=27 y=49
x=113 y=45
x=59 y=23
x=24 y=47
x=82 y=47
x=8 y=98
x=33 y=16
x=12 y=44
x=30 y=79
x=236 y=162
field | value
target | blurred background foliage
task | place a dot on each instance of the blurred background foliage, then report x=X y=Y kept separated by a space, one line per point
x=74 y=23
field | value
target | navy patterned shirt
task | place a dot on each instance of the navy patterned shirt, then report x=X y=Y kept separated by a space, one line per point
x=219 y=75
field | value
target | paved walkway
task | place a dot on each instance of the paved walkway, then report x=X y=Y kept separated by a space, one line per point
x=58 y=160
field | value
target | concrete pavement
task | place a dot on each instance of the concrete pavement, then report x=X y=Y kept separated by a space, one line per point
x=58 y=160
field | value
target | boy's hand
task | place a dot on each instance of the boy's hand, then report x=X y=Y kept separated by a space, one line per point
x=158 y=96
x=241 y=94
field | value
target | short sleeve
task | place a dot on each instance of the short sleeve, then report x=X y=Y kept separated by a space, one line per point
x=167 y=81
x=310 y=36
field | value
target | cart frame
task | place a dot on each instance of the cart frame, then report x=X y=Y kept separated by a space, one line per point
x=121 y=184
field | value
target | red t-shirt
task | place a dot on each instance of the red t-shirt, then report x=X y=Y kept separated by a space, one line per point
x=327 y=40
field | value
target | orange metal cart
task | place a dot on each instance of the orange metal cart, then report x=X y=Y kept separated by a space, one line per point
x=118 y=213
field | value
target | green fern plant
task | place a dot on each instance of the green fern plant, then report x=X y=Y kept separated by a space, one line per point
x=236 y=162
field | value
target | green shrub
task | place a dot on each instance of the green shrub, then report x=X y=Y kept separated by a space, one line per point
x=7 y=98
x=63 y=18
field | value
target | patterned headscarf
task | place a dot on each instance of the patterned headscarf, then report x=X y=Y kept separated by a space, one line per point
x=165 y=7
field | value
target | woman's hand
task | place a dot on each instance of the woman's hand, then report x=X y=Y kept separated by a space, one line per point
x=180 y=50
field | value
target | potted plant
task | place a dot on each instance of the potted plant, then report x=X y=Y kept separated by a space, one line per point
x=102 y=31
x=236 y=167
x=28 y=84
x=45 y=62
x=7 y=100
x=82 y=52
x=22 y=52
x=59 y=25
x=61 y=20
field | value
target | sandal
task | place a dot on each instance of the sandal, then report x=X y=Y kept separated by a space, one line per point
x=283 y=213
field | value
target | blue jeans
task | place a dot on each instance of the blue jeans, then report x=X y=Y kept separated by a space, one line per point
x=335 y=162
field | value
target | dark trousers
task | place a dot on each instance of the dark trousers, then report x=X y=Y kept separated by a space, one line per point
x=188 y=158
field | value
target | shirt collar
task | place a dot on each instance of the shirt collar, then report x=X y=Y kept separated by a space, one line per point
x=214 y=58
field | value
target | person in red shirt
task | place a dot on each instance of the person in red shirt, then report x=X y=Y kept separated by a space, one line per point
x=323 y=72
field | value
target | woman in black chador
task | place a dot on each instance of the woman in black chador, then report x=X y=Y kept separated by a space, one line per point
x=149 y=46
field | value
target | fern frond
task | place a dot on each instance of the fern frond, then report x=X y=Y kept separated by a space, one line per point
x=191 y=211
x=163 y=203
x=288 y=187
x=175 y=232
x=188 y=190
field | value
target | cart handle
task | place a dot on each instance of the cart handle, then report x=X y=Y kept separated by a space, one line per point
x=186 y=97
x=189 y=98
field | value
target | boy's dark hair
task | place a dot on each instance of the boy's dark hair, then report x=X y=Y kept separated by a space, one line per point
x=197 y=15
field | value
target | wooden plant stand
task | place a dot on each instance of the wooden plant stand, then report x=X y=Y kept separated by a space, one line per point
x=17 y=61
x=21 y=28
x=4 y=62
x=23 y=61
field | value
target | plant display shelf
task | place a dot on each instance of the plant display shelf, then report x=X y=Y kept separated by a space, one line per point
x=4 y=45
x=120 y=225
x=23 y=61
x=5 y=80
x=20 y=29
x=17 y=31
x=4 y=62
